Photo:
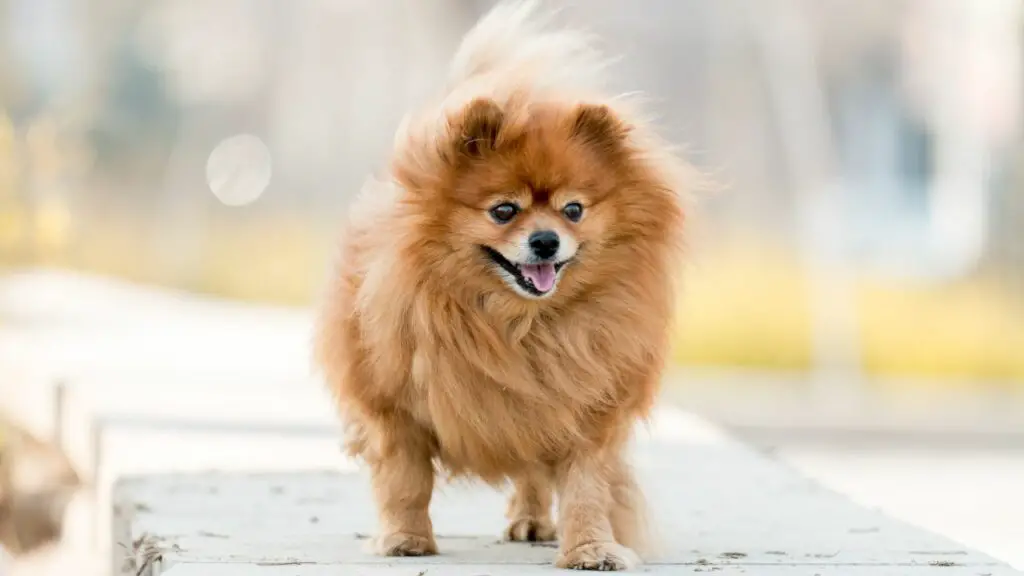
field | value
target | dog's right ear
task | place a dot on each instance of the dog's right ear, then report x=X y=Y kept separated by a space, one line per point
x=599 y=126
x=478 y=127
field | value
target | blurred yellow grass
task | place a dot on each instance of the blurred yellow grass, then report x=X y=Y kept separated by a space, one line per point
x=745 y=307
x=750 y=308
x=970 y=329
x=275 y=259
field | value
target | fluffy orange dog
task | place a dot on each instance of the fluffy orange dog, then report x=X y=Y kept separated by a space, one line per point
x=502 y=302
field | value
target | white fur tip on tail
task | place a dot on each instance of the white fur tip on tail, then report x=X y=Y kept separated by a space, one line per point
x=518 y=39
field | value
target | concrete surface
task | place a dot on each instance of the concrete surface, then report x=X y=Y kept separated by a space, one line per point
x=972 y=496
x=227 y=386
x=717 y=507
x=946 y=456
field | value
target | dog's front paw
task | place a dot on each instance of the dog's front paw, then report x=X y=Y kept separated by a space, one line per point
x=530 y=530
x=402 y=544
x=600 y=556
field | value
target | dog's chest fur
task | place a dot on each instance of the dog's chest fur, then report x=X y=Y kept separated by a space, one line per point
x=494 y=403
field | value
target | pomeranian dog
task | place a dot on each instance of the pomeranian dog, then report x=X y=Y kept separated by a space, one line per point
x=501 y=306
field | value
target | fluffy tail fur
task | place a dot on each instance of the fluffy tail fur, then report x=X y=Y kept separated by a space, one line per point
x=516 y=46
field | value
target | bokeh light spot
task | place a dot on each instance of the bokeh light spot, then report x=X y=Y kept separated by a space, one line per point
x=238 y=170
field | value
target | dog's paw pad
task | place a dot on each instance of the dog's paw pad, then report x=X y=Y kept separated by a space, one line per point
x=599 y=556
x=402 y=544
x=530 y=530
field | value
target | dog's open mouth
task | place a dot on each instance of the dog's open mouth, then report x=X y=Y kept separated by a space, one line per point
x=535 y=279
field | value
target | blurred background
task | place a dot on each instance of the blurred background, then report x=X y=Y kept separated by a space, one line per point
x=854 y=299
x=869 y=155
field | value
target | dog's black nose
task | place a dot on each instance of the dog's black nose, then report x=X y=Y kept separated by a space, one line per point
x=544 y=243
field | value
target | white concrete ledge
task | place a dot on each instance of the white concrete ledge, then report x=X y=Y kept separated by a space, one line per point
x=717 y=506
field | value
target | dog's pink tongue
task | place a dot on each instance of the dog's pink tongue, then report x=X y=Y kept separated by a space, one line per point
x=542 y=275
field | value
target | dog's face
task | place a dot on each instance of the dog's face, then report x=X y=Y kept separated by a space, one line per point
x=530 y=237
x=526 y=198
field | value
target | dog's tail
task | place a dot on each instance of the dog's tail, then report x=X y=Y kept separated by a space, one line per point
x=516 y=46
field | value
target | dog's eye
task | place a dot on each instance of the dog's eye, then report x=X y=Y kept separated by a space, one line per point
x=573 y=211
x=504 y=213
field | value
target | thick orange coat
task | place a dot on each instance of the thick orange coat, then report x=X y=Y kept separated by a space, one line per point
x=418 y=332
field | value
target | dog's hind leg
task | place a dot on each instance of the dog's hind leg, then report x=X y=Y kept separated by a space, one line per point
x=529 y=507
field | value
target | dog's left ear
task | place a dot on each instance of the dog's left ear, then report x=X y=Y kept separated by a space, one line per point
x=597 y=125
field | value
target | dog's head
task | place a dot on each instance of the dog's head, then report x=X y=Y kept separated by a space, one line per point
x=529 y=197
